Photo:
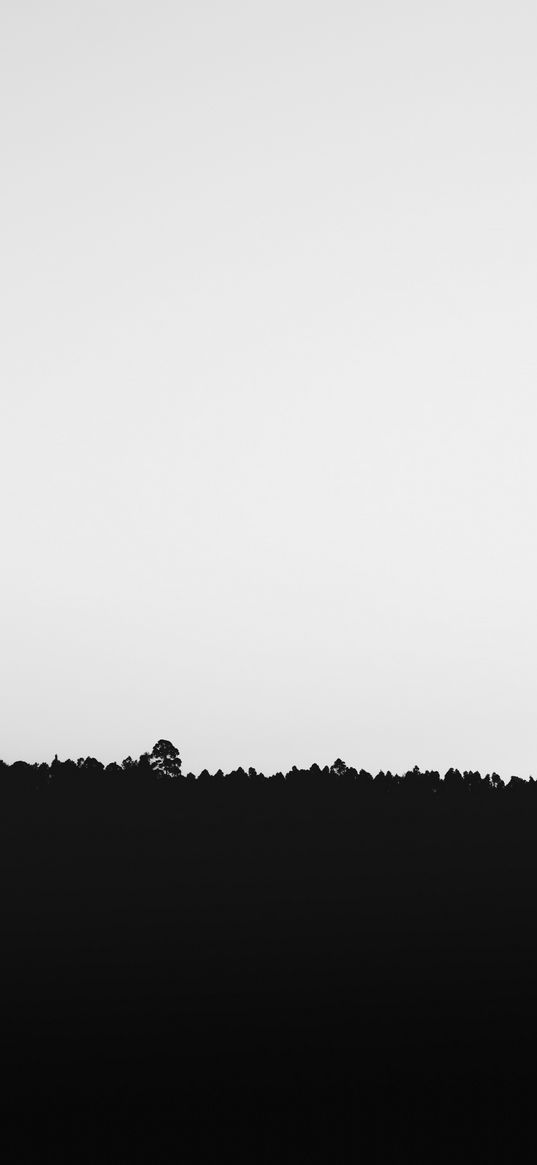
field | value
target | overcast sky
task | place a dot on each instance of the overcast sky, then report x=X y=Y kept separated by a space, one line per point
x=268 y=377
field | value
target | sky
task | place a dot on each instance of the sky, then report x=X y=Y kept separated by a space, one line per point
x=268 y=371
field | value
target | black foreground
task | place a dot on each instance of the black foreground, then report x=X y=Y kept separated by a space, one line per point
x=269 y=975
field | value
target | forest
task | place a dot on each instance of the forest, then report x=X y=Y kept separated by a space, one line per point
x=88 y=776
x=322 y=965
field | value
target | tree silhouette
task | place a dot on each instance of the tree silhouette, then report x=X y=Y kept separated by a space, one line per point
x=165 y=759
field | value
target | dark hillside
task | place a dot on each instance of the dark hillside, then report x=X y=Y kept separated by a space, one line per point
x=201 y=969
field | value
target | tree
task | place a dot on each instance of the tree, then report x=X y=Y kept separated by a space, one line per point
x=165 y=759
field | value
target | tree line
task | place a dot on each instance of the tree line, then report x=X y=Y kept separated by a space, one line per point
x=163 y=765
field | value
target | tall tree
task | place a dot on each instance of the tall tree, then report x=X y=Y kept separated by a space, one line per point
x=165 y=759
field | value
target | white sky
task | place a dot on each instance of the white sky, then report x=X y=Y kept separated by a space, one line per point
x=268 y=375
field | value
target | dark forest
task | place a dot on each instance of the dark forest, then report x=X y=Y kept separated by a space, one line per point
x=91 y=778
x=319 y=965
